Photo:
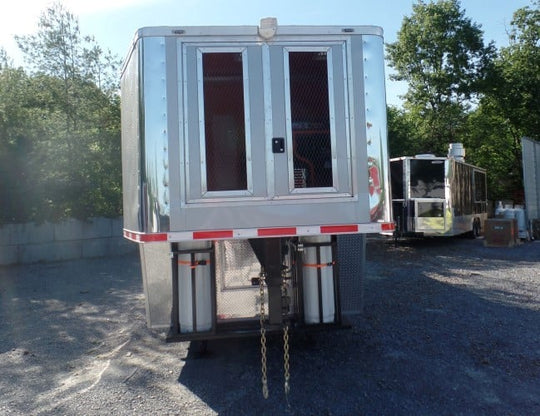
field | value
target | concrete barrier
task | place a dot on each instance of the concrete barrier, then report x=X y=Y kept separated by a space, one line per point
x=66 y=240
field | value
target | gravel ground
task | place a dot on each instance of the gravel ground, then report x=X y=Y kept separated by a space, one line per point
x=449 y=327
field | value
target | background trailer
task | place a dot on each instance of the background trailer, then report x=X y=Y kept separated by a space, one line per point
x=531 y=183
x=254 y=161
x=438 y=196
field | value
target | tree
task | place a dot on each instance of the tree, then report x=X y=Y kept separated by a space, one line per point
x=510 y=109
x=517 y=89
x=15 y=143
x=441 y=55
x=4 y=59
x=58 y=49
x=59 y=126
x=74 y=83
x=489 y=140
x=402 y=137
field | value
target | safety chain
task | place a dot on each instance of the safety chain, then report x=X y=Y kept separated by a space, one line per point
x=264 y=378
x=286 y=358
x=287 y=375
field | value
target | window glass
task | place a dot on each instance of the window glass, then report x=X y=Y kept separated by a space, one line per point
x=310 y=119
x=396 y=175
x=479 y=186
x=225 y=142
x=427 y=178
x=430 y=209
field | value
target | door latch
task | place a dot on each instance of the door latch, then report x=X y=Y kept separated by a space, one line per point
x=278 y=145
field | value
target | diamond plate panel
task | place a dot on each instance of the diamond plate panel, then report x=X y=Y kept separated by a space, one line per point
x=351 y=252
x=236 y=264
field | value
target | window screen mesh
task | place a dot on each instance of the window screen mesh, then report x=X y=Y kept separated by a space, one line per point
x=224 y=121
x=310 y=118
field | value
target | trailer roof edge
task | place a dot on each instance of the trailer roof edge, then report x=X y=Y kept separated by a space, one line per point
x=195 y=31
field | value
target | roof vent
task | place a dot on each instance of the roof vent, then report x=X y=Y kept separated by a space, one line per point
x=456 y=151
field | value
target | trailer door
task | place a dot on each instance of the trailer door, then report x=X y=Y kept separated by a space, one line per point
x=221 y=126
x=306 y=92
x=264 y=121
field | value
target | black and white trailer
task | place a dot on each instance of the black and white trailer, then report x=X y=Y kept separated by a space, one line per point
x=438 y=196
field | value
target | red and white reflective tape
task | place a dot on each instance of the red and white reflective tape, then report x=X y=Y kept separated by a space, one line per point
x=243 y=233
x=144 y=237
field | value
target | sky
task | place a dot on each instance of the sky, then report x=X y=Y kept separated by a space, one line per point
x=113 y=22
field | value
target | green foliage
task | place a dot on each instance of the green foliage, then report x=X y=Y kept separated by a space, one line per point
x=463 y=91
x=491 y=142
x=510 y=108
x=59 y=126
x=402 y=137
x=4 y=59
x=517 y=90
x=18 y=127
x=441 y=55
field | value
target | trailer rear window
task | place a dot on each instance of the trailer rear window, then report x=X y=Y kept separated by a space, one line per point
x=396 y=178
x=224 y=121
x=310 y=119
x=462 y=189
x=427 y=178
x=430 y=209
x=480 y=194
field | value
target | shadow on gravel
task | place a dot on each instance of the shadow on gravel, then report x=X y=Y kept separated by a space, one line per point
x=466 y=248
x=40 y=302
x=50 y=317
x=449 y=328
x=438 y=337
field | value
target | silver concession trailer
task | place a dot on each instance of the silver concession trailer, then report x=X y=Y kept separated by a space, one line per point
x=252 y=156
x=438 y=196
x=531 y=184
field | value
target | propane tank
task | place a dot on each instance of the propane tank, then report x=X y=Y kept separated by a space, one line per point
x=312 y=270
x=194 y=288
